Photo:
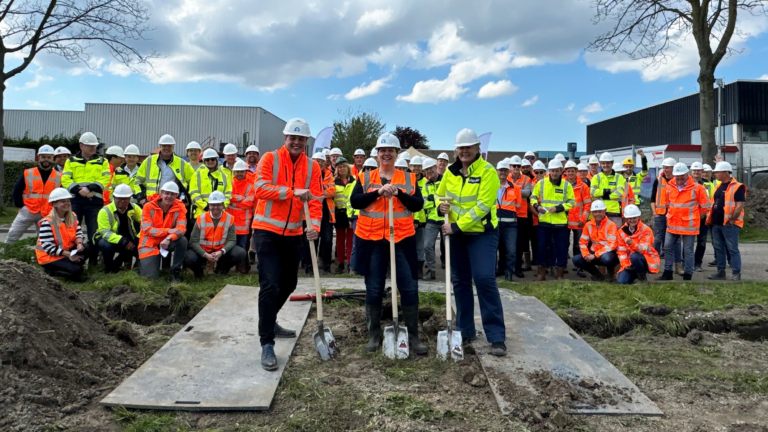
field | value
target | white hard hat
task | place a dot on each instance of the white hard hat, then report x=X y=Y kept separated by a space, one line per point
x=668 y=162
x=404 y=155
x=336 y=151
x=132 y=149
x=88 y=138
x=697 y=166
x=594 y=160
x=401 y=163
x=114 y=151
x=166 y=140
x=503 y=164
x=539 y=166
x=170 y=187
x=560 y=157
x=387 y=140
x=606 y=157
x=252 y=148
x=597 y=205
x=429 y=163
x=418 y=160
x=326 y=152
x=60 y=150
x=239 y=166
x=618 y=168
x=216 y=197
x=359 y=152
x=45 y=149
x=59 y=194
x=370 y=162
x=582 y=167
x=525 y=162
x=723 y=166
x=631 y=211
x=555 y=164
x=443 y=156
x=374 y=152
x=515 y=160
x=319 y=156
x=571 y=164
x=707 y=168
x=210 y=153
x=230 y=149
x=123 y=191
x=297 y=126
x=680 y=169
x=466 y=137
x=529 y=154
x=193 y=145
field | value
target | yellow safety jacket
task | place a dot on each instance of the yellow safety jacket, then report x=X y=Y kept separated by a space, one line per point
x=547 y=195
x=203 y=183
x=429 y=192
x=341 y=199
x=149 y=175
x=121 y=176
x=79 y=172
x=710 y=187
x=473 y=208
x=351 y=213
x=109 y=223
x=636 y=182
x=421 y=215
x=615 y=183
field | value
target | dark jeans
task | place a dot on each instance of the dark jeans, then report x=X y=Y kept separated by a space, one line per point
x=553 y=245
x=701 y=243
x=608 y=259
x=66 y=269
x=375 y=278
x=278 y=274
x=109 y=250
x=150 y=266
x=726 y=242
x=242 y=241
x=236 y=256
x=472 y=259
x=326 y=239
x=575 y=249
x=524 y=229
x=639 y=266
x=508 y=245
x=353 y=253
x=672 y=244
x=88 y=210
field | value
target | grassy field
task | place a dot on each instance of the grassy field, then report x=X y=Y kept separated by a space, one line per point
x=7 y=214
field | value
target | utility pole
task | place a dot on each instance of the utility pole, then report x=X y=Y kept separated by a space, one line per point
x=720 y=114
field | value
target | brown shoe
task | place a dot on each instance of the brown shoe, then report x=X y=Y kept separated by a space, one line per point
x=560 y=271
x=679 y=269
x=542 y=276
x=243 y=269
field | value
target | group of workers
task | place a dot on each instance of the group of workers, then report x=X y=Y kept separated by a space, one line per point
x=175 y=213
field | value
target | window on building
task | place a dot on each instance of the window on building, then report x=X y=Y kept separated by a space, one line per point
x=755 y=133
x=696 y=135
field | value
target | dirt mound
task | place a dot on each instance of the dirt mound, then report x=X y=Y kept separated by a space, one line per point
x=756 y=209
x=57 y=354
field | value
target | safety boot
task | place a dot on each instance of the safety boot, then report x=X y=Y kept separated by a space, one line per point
x=542 y=276
x=736 y=276
x=679 y=269
x=411 y=315
x=339 y=269
x=560 y=273
x=687 y=277
x=642 y=278
x=373 y=316
x=720 y=275
x=527 y=261
x=666 y=276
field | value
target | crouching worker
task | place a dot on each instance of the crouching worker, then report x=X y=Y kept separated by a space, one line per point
x=214 y=241
x=164 y=221
x=118 y=230
x=636 y=252
x=60 y=249
x=598 y=244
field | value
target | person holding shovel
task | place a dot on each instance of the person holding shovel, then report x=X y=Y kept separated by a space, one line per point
x=373 y=192
x=473 y=184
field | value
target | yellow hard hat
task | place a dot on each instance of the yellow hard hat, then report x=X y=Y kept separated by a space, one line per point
x=628 y=161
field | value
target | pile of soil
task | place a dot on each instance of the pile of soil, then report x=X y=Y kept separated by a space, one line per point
x=756 y=208
x=57 y=354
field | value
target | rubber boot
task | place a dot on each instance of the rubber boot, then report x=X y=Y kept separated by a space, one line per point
x=666 y=276
x=411 y=316
x=373 y=316
x=542 y=276
x=560 y=273
x=527 y=261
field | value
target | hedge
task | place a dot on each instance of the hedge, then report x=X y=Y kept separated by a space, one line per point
x=72 y=143
x=13 y=170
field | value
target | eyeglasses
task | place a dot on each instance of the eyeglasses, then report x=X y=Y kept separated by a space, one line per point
x=539 y=172
x=210 y=159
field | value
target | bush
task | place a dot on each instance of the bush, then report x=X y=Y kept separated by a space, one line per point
x=13 y=170
x=22 y=250
x=72 y=143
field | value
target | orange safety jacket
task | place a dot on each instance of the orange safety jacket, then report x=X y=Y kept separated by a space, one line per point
x=730 y=205
x=685 y=207
x=661 y=196
x=277 y=209
x=106 y=193
x=373 y=221
x=629 y=195
x=155 y=225
x=64 y=236
x=642 y=243
x=522 y=183
x=579 y=213
x=214 y=239
x=354 y=171
x=509 y=206
x=602 y=235
x=242 y=203
x=36 y=193
x=329 y=192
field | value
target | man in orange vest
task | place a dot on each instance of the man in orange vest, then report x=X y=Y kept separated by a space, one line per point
x=252 y=160
x=636 y=252
x=214 y=240
x=598 y=244
x=359 y=158
x=241 y=206
x=659 y=209
x=329 y=212
x=30 y=195
x=508 y=203
x=163 y=224
x=524 y=215
x=286 y=180
x=579 y=213
x=727 y=220
x=686 y=202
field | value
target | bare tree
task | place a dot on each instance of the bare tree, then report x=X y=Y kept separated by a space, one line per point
x=70 y=29
x=651 y=29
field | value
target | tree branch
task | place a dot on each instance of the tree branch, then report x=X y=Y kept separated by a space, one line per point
x=35 y=40
x=725 y=39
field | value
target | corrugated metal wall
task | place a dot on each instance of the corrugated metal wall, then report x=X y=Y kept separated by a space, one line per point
x=270 y=132
x=39 y=123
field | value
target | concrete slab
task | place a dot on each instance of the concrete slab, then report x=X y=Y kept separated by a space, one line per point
x=538 y=340
x=213 y=362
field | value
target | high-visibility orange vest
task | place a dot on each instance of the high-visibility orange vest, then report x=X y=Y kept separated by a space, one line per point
x=106 y=193
x=36 y=193
x=685 y=207
x=63 y=235
x=602 y=236
x=508 y=207
x=642 y=243
x=522 y=183
x=241 y=204
x=661 y=196
x=155 y=225
x=373 y=221
x=329 y=192
x=277 y=210
x=629 y=195
x=590 y=175
x=355 y=171
x=730 y=204
x=214 y=239
x=579 y=213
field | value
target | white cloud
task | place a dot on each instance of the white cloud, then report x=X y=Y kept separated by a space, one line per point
x=39 y=79
x=582 y=119
x=571 y=107
x=496 y=89
x=531 y=101
x=333 y=97
x=433 y=91
x=681 y=88
x=118 y=69
x=764 y=77
x=594 y=107
x=367 y=89
x=373 y=19
x=34 y=103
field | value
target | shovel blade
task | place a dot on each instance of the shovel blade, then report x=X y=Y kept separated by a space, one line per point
x=325 y=343
x=395 y=342
x=457 y=351
x=443 y=345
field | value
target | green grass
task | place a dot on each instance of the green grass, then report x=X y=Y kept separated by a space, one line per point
x=751 y=234
x=138 y=421
x=7 y=214
x=20 y=250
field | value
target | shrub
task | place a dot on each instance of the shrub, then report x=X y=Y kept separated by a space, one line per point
x=13 y=170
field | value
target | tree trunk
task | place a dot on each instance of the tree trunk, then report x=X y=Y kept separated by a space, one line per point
x=707 y=110
x=2 y=140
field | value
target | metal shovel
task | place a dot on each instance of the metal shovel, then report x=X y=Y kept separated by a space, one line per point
x=449 y=341
x=324 y=340
x=395 y=337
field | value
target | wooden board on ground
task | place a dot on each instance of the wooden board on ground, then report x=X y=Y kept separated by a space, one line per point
x=213 y=362
x=540 y=345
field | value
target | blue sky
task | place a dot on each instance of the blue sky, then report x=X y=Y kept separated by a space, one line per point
x=506 y=72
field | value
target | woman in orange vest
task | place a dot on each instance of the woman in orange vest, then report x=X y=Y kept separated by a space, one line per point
x=636 y=253
x=60 y=249
x=371 y=196
x=524 y=217
x=30 y=195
